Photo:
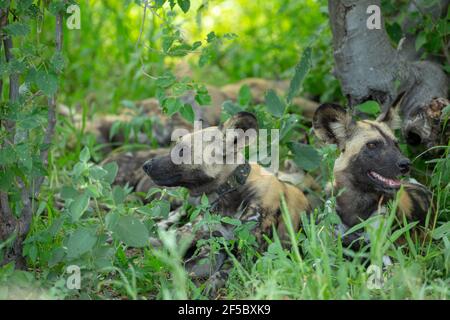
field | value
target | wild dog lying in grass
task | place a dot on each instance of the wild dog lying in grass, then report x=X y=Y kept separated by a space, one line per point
x=130 y=124
x=111 y=130
x=368 y=168
x=241 y=191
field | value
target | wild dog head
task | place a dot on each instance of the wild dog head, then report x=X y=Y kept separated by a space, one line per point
x=370 y=156
x=204 y=159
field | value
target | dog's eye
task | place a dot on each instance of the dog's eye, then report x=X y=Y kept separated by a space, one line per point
x=371 y=145
x=181 y=152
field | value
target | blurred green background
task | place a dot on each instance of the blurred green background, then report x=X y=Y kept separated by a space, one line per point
x=269 y=39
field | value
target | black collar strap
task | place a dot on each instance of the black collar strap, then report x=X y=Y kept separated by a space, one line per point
x=236 y=179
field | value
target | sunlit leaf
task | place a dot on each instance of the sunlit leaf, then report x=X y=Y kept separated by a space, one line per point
x=301 y=70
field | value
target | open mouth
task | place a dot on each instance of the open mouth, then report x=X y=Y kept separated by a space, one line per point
x=172 y=181
x=386 y=182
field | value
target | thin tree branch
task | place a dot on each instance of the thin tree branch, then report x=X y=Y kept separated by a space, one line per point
x=51 y=115
x=142 y=23
x=6 y=209
x=6 y=213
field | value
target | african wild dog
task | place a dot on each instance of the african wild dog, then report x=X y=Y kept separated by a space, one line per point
x=243 y=191
x=368 y=167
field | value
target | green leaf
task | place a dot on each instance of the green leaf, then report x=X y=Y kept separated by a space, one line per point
x=184 y=5
x=118 y=194
x=245 y=95
x=196 y=45
x=305 y=156
x=301 y=70
x=172 y=106
x=46 y=82
x=442 y=231
x=187 y=112
x=6 y=179
x=7 y=155
x=204 y=201
x=112 y=168
x=85 y=155
x=147 y=210
x=159 y=3
x=56 y=256
x=152 y=192
x=288 y=125
x=161 y=208
x=56 y=226
x=232 y=221
x=24 y=5
x=56 y=6
x=115 y=129
x=17 y=29
x=274 y=104
x=131 y=231
x=394 y=31
x=68 y=193
x=167 y=42
x=446 y=112
x=97 y=172
x=421 y=40
x=80 y=242
x=231 y=108
x=79 y=206
x=165 y=81
x=180 y=50
x=202 y=97
x=111 y=220
x=369 y=107
x=210 y=37
x=57 y=62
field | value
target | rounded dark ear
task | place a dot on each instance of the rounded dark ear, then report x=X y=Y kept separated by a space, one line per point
x=391 y=116
x=241 y=120
x=332 y=123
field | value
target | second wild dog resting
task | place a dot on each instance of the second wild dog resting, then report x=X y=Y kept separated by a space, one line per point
x=242 y=191
x=368 y=168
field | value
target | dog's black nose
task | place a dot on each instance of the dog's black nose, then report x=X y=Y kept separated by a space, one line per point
x=404 y=165
x=148 y=166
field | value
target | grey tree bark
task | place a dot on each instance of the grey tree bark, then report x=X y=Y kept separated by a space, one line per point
x=370 y=68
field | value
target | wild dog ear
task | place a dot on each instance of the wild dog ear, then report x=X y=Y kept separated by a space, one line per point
x=391 y=116
x=241 y=120
x=332 y=123
x=243 y=127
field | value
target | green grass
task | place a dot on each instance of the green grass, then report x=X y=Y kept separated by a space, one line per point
x=315 y=267
x=104 y=67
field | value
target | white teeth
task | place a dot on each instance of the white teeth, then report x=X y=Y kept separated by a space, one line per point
x=389 y=182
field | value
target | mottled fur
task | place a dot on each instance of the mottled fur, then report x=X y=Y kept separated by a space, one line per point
x=367 y=169
x=258 y=199
x=162 y=125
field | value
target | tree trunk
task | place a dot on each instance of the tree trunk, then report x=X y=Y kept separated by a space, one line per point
x=13 y=230
x=370 y=68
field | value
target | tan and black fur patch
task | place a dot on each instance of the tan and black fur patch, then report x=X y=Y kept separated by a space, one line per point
x=366 y=174
x=241 y=191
